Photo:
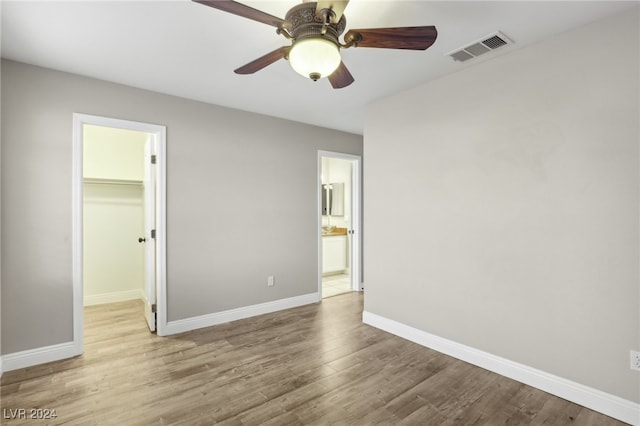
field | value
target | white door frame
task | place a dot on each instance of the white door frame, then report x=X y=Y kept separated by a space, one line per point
x=158 y=132
x=356 y=218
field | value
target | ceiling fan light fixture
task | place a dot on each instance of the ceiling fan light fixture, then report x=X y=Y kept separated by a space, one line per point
x=314 y=57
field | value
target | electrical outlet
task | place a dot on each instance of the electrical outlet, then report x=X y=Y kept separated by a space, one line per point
x=271 y=281
x=635 y=360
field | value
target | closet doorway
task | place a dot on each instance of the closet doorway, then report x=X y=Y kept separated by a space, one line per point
x=339 y=210
x=118 y=217
x=113 y=214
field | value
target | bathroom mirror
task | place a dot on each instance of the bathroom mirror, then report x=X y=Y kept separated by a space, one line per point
x=333 y=199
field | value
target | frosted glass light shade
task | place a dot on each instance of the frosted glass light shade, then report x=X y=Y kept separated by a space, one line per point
x=314 y=58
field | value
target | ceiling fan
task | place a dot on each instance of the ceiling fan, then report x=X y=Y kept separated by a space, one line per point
x=314 y=30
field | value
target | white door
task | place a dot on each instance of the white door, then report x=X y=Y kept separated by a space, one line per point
x=149 y=237
x=354 y=229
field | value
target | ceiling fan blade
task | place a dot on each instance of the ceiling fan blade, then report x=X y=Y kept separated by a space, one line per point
x=264 y=61
x=341 y=77
x=412 y=38
x=246 y=12
x=337 y=6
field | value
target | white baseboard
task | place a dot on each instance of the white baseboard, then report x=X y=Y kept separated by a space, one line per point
x=37 y=356
x=184 y=325
x=594 y=399
x=116 y=296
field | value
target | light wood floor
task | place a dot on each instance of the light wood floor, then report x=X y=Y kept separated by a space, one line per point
x=316 y=364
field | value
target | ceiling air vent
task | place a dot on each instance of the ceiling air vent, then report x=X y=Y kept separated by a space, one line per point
x=480 y=47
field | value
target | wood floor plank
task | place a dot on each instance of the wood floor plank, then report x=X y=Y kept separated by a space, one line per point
x=316 y=364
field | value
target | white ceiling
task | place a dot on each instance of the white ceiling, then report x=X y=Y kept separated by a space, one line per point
x=190 y=50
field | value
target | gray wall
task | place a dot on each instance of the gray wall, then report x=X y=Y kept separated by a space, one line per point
x=241 y=200
x=516 y=183
x=0 y=210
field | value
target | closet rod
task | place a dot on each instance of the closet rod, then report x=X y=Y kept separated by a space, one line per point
x=99 y=181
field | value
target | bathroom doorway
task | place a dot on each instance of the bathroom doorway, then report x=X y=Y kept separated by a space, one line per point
x=339 y=207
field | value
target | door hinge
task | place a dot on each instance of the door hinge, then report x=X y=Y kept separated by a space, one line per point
x=153 y=308
x=153 y=234
x=154 y=159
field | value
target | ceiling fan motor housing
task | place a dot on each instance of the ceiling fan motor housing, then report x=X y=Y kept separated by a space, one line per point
x=307 y=24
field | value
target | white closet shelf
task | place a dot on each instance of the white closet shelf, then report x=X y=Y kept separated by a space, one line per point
x=102 y=181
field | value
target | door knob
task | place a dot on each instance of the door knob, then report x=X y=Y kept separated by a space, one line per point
x=142 y=240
